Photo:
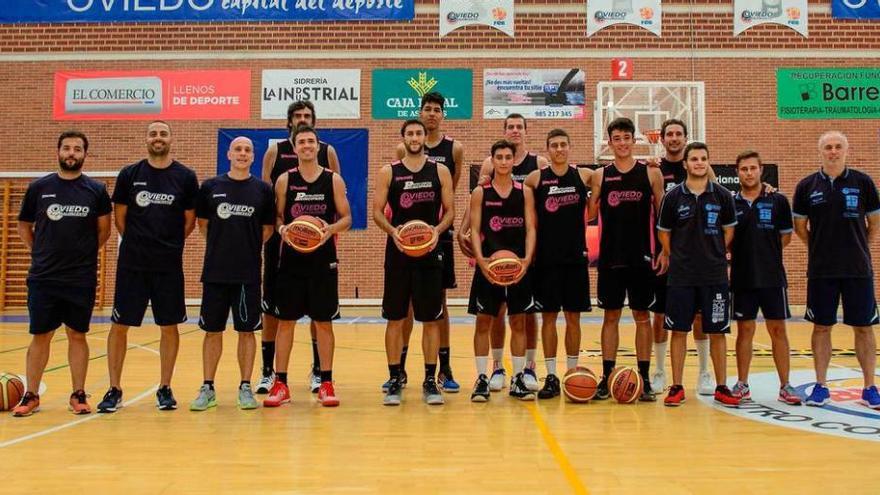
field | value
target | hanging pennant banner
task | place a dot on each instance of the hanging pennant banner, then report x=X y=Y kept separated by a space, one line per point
x=603 y=13
x=790 y=13
x=456 y=14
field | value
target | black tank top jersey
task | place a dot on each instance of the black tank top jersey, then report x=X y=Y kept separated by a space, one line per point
x=442 y=154
x=522 y=169
x=413 y=196
x=286 y=158
x=503 y=222
x=560 y=203
x=626 y=213
x=315 y=199
x=673 y=173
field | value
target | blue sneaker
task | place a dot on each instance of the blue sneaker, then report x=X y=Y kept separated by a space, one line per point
x=870 y=397
x=819 y=396
x=388 y=382
x=446 y=382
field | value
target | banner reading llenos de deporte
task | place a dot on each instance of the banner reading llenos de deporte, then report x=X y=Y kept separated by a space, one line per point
x=143 y=95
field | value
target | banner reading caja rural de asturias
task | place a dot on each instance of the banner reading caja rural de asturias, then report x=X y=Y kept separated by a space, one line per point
x=13 y=11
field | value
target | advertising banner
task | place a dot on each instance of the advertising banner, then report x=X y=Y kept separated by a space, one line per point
x=855 y=9
x=534 y=93
x=789 y=13
x=336 y=93
x=833 y=93
x=456 y=14
x=397 y=93
x=645 y=14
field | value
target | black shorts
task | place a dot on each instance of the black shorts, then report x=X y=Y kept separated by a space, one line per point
x=773 y=302
x=486 y=298
x=51 y=305
x=242 y=299
x=315 y=295
x=420 y=285
x=659 y=305
x=134 y=289
x=271 y=253
x=859 y=304
x=634 y=284
x=448 y=254
x=713 y=301
x=562 y=287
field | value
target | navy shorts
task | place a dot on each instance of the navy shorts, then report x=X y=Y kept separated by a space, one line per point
x=562 y=287
x=242 y=299
x=135 y=289
x=448 y=254
x=51 y=305
x=271 y=253
x=420 y=285
x=773 y=302
x=487 y=298
x=314 y=295
x=859 y=304
x=633 y=284
x=713 y=301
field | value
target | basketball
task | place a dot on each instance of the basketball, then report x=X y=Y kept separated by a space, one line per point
x=504 y=267
x=305 y=233
x=11 y=391
x=579 y=384
x=625 y=385
x=416 y=237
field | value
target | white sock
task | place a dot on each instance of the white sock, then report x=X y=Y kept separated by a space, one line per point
x=482 y=364
x=703 y=354
x=519 y=363
x=660 y=356
x=571 y=361
x=530 y=357
x=498 y=356
x=551 y=365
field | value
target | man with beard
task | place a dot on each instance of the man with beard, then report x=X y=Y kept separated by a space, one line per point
x=64 y=220
x=155 y=212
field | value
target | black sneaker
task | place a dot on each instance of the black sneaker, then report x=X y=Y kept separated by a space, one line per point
x=431 y=392
x=551 y=388
x=393 y=394
x=481 y=389
x=648 y=394
x=519 y=390
x=165 y=399
x=602 y=392
x=402 y=378
x=111 y=402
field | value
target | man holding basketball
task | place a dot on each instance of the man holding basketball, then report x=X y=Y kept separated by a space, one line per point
x=503 y=213
x=155 y=202
x=279 y=158
x=64 y=220
x=562 y=278
x=415 y=188
x=308 y=282
x=236 y=214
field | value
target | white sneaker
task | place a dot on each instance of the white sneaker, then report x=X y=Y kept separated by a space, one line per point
x=706 y=384
x=314 y=382
x=496 y=382
x=658 y=381
x=530 y=380
x=265 y=384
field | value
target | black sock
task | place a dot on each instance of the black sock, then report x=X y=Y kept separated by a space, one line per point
x=268 y=349
x=644 y=370
x=210 y=384
x=281 y=377
x=444 y=358
x=430 y=370
x=326 y=376
x=394 y=371
x=403 y=357
x=243 y=383
x=316 y=360
x=607 y=367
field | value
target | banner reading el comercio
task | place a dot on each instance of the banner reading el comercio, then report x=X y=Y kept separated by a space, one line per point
x=143 y=95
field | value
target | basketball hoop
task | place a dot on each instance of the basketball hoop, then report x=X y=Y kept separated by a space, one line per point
x=653 y=136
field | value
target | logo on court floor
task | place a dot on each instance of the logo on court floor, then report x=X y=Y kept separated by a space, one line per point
x=844 y=416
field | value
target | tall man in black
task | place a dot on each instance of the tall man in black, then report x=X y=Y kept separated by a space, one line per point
x=696 y=226
x=562 y=280
x=236 y=214
x=837 y=215
x=757 y=275
x=626 y=195
x=279 y=158
x=415 y=188
x=155 y=202
x=64 y=220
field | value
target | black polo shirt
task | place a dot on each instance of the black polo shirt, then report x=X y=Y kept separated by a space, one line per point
x=836 y=210
x=756 y=250
x=696 y=225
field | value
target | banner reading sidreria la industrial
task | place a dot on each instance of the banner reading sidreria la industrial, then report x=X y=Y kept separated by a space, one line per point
x=20 y=11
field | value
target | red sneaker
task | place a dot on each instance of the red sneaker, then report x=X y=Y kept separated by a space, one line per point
x=675 y=397
x=78 y=403
x=327 y=396
x=279 y=394
x=28 y=405
x=725 y=397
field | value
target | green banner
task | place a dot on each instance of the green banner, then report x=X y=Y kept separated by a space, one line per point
x=397 y=93
x=828 y=93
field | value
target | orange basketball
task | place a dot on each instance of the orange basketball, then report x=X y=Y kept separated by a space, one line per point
x=416 y=237
x=625 y=385
x=305 y=233
x=579 y=384
x=11 y=391
x=504 y=267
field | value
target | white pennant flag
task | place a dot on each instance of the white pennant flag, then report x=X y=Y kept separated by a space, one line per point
x=603 y=13
x=459 y=13
x=790 y=13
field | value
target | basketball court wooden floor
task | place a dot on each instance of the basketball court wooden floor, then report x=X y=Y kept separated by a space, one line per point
x=502 y=446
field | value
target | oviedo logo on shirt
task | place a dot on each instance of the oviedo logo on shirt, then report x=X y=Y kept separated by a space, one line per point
x=226 y=210
x=497 y=223
x=561 y=196
x=56 y=212
x=617 y=197
x=408 y=199
x=147 y=198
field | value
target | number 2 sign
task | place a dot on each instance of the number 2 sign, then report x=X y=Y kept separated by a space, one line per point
x=621 y=69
